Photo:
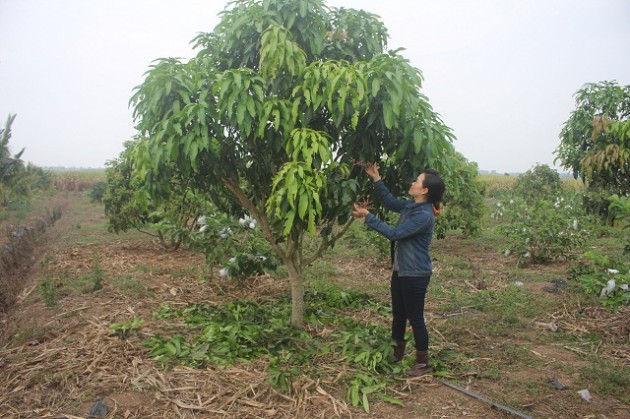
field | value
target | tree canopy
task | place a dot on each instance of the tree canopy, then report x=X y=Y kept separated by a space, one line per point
x=17 y=180
x=595 y=140
x=278 y=111
x=9 y=165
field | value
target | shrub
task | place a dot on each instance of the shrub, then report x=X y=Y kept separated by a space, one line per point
x=463 y=200
x=543 y=232
x=538 y=183
x=97 y=191
x=602 y=276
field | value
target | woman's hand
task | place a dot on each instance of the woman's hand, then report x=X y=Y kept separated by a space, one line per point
x=372 y=171
x=359 y=211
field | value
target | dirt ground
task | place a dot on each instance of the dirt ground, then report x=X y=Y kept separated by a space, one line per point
x=55 y=362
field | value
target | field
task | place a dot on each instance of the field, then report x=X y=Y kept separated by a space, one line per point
x=503 y=182
x=523 y=338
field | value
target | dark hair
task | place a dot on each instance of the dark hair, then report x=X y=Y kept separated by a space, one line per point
x=435 y=184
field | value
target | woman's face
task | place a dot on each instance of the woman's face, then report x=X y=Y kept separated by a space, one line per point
x=417 y=189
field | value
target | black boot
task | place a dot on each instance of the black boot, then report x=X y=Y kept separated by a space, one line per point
x=399 y=351
x=421 y=366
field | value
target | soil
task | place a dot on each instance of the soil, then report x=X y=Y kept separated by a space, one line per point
x=55 y=362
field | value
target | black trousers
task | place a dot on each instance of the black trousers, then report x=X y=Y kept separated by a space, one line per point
x=408 y=295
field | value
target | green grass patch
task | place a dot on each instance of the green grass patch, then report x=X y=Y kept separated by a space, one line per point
x=320 y=270
x=49 y=291
x=512 y=303
x=92 y=281
x=32 y=332
x=130 y=286
x=453 y=267
x=495 y=313
x=52 y=288
x=607 y=378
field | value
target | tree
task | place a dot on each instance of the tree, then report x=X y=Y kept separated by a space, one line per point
x=9 y=165
x=283 y=103
x=17 y=181
x=540 y=182
x=127 y=204
x=595 y=140
x=464 y=206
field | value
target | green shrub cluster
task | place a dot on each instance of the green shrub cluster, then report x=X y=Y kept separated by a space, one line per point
x=539 y=183
x=604 y=277
x=544 y=231
x=463 y=200
x=541 y=219
x=18 y=182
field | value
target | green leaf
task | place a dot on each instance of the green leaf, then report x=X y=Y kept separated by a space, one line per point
x=391 y=400
x=276 y=119
x=259 y=92
x=251 y=106
x=354 y=395
x=194 y=150
x=388 y=116
x=288 y=223
x=170 y=347
x=417 y=141
x=303 y=205
x=240 y=112
x=355 y=120
x=307 y=97
x=371 y=389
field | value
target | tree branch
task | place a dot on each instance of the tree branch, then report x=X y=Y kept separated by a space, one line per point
x=260 y=217
x=326 y=242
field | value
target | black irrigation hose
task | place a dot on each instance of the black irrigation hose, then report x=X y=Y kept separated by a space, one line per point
x=483 y=399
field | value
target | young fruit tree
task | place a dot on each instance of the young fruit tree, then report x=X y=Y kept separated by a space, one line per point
x=284 y=102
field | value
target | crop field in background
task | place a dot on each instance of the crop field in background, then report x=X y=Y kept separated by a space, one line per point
x=76 y=180
x=495 y=182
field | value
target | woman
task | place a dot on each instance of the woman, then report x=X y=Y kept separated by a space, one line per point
x=412 y=266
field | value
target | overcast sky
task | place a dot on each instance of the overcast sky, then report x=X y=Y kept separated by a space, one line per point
x=502 y=74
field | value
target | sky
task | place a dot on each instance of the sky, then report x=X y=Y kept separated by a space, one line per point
x=502 y=74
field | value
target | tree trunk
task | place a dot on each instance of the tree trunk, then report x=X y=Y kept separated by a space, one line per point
x=297 y=296
x=288 y=255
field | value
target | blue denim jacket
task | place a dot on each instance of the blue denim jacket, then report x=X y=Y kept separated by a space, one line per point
x=413 y=232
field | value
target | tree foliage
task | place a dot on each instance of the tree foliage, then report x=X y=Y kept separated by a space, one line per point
x=10 y=166
x=540 y=182
x=17 y=180
x=595 y=140
x=464 y=206
x=129 y=206
x=280 y=106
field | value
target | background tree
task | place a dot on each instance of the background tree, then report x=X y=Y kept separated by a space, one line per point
x=278 y=111
x=9 y=165
x=17 y=181
x=595 y=142
x=129 y=206
x=540 y=182
x=464 y=205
